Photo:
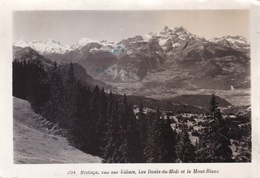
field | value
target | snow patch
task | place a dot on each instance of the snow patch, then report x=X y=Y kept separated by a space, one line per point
x=123 y=75
x=162 y=41
x=82 y=42
x=93 y=50
x=48 y=46
x=147 y=37
x=174 y=45
x=234 y=41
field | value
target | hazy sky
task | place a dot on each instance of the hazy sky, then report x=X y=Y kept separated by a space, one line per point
x=68 y=27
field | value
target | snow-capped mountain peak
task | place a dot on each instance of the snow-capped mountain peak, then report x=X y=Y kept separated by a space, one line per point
x=106 y=42
x=21 y=43
x=174 y=32
x=44 y=47
x=50 y=41
x=82 y=42
x=232 y=41
x=166 y=31
x=147 y=37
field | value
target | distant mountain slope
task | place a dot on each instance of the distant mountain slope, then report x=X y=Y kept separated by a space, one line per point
x=34 y=142
x=82 y=76
x=165 y=105
x=31 y=56
x=239 y=111
x=200 y=100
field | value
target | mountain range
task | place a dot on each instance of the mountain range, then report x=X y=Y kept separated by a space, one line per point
x=158 y=62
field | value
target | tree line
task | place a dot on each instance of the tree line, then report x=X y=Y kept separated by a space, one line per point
x=104 y=124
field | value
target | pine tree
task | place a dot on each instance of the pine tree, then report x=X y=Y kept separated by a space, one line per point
x=152 y=134
x=19 y=80
x=214 y=141
x=160 y=142
x=101 y=122
x=169 y=142
x=222 y=151
x=70 y=98
x=123 y=142
x=30 y=82
x=121 y=150
x=128 y=134
x=142 y=130
x=110 y=134
x=213 y=104
x=156 y=146
x=184 y=149
x=93 y=120
x=53 y=109
x=80 y=126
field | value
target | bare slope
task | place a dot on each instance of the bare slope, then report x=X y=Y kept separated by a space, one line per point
x=35 y=142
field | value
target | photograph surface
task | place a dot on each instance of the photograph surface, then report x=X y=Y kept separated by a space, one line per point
x=140 y=86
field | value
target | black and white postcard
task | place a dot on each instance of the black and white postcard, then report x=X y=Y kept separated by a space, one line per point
x=144 y=91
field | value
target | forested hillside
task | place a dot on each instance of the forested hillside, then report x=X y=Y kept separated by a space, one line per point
x=105 y=125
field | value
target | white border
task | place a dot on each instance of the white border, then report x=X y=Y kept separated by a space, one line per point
x=8 y=169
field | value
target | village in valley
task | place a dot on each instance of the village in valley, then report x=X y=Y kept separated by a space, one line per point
x=239 y=125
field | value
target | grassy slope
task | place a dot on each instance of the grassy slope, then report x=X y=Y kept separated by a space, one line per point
x=35 y=143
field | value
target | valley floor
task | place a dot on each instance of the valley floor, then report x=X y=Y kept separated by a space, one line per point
x=35 y=143
x=237 y=97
